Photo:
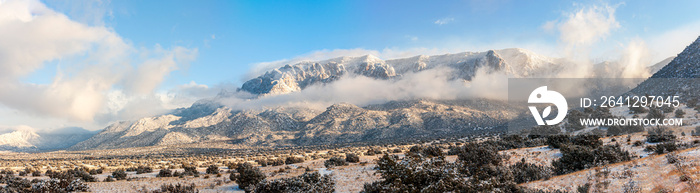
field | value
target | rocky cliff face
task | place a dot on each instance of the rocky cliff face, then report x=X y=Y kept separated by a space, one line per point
x=685 y=65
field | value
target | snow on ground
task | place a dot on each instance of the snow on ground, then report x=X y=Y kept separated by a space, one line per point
x=650 y=174
x=541 y=155
x=349 y=178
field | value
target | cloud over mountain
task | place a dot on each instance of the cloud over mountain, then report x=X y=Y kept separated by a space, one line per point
x=90 y=60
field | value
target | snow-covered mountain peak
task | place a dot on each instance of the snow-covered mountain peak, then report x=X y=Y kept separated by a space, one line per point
x=295 y=77
x=21 y=138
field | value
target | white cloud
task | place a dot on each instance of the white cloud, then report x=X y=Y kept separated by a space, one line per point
x=361 y=90
x=635 y=60
x=95 y=64
x=151 y=73
x=444 y=21
x=673 y=41
x=581 y=29
x=588 y=25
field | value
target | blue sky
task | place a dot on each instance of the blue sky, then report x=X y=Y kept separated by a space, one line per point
x=234 y=35
x=96 y=62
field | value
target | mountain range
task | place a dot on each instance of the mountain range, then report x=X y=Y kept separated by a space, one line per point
x=211 y=120
x=291 y=78
x=26 y=139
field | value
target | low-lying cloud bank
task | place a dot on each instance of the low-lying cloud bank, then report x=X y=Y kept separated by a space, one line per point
x=362 y=90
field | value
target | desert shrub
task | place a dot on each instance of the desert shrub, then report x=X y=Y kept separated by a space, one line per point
x=165 y=173
x=416 y=149
x=592 y=141
x=506 y=142
x=334 y=161
x=679 y=113
x=638 y=110
x=556 y=141
x=232 y=165
x=371 y=152
x=177 y=188
x=667 y=108
x=352 y=158
x=516 y=141
x=36 y=173
x=665 y=147
x=637 y=143
x=478 y=155
x=574 y=158
x=545 y=130
x=247 y=175
x=660 y=134
x=432 y=151
x=573 y=119
x=190 y=171
x=109 y=179
x=672 y=158
x=601 y=112
x=526 y=172
x=293 y=160
x=143 y=170
x=55 y=185
x=119 y=174
x=213 y=169
x=583 y=188
x=417 y=174
x=276 y=162
x=95 y=171
x=578 y=157
x=649 y=148
x=16 y=184
x=7 y=171
x=71 y=175
x=692 y=102
x=412 y=174
x=454 y=150
x=262 y=162
x=614 y=130
x=610 y=154
x=655 y=113
x=307 y=182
